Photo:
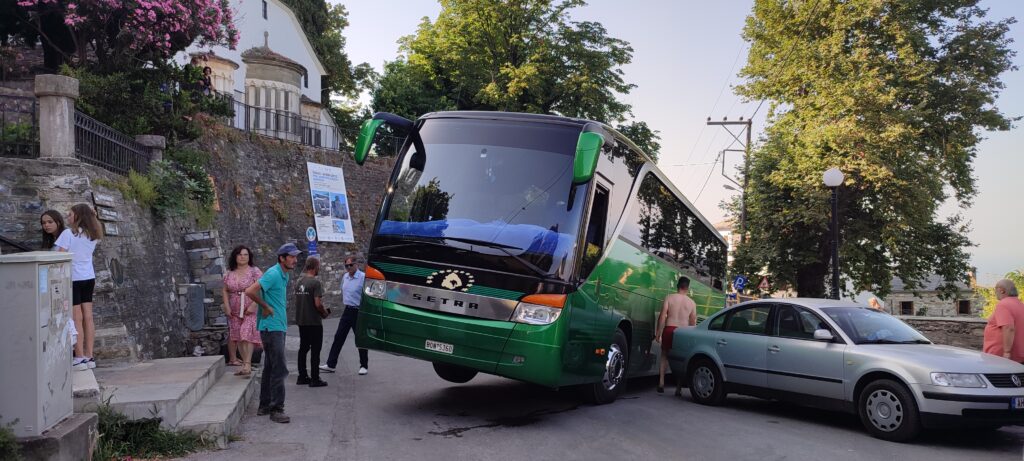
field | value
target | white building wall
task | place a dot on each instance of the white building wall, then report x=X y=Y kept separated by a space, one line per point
x=285 y=38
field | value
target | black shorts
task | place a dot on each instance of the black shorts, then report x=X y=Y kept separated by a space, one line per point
x=81 y=291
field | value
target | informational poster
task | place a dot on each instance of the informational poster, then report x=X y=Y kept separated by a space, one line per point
x=330 y=203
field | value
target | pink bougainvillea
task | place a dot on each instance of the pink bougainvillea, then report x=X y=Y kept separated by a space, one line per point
x=143 y=28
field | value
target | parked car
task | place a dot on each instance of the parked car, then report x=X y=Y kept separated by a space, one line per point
x=843 y=356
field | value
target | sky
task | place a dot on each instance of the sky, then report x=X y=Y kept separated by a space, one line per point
x=686 y=55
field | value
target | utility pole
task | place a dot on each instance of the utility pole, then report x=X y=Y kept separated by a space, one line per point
x=745 y=126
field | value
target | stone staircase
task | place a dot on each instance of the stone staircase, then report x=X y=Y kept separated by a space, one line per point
x=192 y=394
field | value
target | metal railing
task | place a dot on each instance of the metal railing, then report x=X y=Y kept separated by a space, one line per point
x=105 y=147
x=292 y=127
x=19 y=127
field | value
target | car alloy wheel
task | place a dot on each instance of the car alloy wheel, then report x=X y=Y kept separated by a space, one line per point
x=884 y=410
x=703 y=382
x=614 y=368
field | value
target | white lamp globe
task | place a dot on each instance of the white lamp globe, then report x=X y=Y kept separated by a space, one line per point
x=832 y=177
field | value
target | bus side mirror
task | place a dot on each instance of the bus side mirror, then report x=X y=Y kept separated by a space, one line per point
x=588 y=147
x=365 y=139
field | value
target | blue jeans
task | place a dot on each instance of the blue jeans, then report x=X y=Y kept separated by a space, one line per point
x=348 y=322
x=275 y=369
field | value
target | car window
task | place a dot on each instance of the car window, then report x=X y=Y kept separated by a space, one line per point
x=717 y=323
x=752 y=319
x=794 y=322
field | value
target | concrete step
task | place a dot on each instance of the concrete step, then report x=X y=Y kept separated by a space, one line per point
x=85 y=391
x=113 y=345
x=164 y=388
x=219 y=413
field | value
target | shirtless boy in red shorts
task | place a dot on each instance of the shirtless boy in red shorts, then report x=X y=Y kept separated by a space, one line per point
x=677 y=311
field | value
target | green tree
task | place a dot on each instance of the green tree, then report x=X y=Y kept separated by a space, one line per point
x=643 y=136
x=893 y=92
x=989 y=293
x=517 y=55
x=324 y=26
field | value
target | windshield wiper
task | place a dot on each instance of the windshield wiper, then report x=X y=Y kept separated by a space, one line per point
x=410 y=242
x=504 y=249
x=483 y=243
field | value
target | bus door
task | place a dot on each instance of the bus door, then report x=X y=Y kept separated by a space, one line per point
x=590 y=312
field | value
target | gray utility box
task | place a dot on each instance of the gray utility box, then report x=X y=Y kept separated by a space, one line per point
x=35 y=341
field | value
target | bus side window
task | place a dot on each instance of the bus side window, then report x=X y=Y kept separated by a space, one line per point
x=594 y=243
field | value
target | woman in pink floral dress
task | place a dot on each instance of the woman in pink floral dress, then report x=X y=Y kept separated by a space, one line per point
x=241 y=312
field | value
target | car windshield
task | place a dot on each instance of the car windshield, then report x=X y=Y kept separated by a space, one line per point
x=868 y=326
x=487 y=193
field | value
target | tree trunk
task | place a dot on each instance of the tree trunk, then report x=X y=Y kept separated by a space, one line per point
x=810 y=280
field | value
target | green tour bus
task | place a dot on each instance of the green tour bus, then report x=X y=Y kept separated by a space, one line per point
x=533 y=247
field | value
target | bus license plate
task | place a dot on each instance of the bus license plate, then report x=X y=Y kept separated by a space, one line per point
x=446 y=348
x=1017 y=403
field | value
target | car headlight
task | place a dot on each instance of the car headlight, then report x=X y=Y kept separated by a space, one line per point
x=958 y=380
x=375 y=289
x=535 y=314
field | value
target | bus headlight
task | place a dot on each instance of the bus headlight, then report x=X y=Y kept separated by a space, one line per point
x=535 y=314
x=375 y=289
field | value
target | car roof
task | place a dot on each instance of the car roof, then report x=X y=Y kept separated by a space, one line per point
x=812 y=303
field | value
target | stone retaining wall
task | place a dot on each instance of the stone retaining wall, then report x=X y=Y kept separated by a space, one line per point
x=963 y=332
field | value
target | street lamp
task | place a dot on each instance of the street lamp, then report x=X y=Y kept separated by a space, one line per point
x=833 y=178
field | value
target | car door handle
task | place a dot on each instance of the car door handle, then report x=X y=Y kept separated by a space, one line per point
x=773 y=349
x=722 y=342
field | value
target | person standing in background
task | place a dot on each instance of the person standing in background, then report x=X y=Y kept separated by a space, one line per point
x=80 y=239
x=352 y=295
x=1004 y=333
x=309 y=315
x=271 y=293
x=53 y=225
x=242 y=333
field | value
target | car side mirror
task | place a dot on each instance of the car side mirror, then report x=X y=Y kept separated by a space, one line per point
x=823 y=335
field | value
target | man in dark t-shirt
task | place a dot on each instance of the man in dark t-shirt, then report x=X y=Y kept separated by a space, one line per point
x=309 y=313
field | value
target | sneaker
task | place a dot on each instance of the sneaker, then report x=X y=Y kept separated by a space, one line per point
x=80 y=364
x=280 y=417
x=92 y=362
x=302 y=381
x=326 y=369
x=363 y=370
x=318 y=383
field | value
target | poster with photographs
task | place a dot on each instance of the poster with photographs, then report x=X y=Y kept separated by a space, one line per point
x=330 y=203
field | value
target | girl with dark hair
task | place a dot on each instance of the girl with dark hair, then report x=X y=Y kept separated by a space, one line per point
x=80 y=239
x=241 y=312
x=53 y=225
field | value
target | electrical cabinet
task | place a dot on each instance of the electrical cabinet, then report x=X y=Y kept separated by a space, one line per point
x=35 y=340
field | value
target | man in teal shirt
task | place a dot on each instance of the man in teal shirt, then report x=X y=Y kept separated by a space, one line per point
x=270 y=292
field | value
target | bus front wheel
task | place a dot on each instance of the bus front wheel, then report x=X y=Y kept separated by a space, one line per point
x=454 y=373
x=613 y=380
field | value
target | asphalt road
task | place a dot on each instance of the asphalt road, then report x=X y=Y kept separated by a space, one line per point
x=402 y=411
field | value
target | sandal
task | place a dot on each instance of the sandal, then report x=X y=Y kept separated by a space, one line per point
x=246 y=370
x=234 y=363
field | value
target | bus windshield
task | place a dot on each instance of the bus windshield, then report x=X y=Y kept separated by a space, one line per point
x=494 y=194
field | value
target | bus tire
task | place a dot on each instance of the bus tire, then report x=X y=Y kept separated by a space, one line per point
x=454 y=373
x=613 y=380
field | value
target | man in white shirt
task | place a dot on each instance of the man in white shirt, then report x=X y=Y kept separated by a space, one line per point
x=351 y=296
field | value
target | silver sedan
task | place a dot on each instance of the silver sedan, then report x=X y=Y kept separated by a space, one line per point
x=843 y=356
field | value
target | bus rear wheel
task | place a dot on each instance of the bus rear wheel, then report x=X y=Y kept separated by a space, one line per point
x=454 y=373
x=613 y=380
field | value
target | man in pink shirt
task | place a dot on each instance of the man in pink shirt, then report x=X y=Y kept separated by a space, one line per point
x=1004 y=334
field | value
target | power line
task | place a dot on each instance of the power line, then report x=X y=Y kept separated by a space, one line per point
x=710 y=170
x=714 y=106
